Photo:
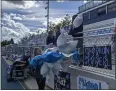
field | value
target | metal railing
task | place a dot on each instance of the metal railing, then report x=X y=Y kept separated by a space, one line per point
x=90 y=4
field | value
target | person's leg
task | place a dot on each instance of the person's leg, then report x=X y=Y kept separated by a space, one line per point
x=42 y=84
x=38 y=82
x=11 y=71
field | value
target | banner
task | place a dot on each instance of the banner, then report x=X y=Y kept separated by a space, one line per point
x=98 y=56
x=99 y=32
x=62 y=81
x=90 y=84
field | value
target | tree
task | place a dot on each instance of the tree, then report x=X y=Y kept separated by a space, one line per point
x=66 y=21
x=11 y=41
x=38 y=31
x=51 y=26
x=6 y=42
x=57 y=27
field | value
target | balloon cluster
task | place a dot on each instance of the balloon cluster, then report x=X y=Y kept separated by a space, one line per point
x=50 y=59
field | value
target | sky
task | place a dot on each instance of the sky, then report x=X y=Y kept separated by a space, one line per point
x=21 y=18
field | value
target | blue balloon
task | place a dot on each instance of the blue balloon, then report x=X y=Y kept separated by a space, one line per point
x=50 y=57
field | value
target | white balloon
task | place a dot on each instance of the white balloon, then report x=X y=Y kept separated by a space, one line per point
x=61 y=40
x=44 y=70
x=46 y=67
x=54 y=49
x=50 y=65
x=47 y=78
x=57 y=66
x=62 y=30
x=78 y=21
x=69 y=47
x=67 y=55
x=64 y=45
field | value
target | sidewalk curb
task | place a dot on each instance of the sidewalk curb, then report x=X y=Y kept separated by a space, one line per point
x=27 y=88
x=24 y=84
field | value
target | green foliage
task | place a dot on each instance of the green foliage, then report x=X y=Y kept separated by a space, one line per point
x=6 y=42
x=66 y=21
x=51 y=26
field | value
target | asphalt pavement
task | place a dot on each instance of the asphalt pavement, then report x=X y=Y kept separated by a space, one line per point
x=8 y=85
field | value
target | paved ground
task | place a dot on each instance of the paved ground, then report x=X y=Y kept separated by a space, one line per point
x=8 y=85
x=28 y=84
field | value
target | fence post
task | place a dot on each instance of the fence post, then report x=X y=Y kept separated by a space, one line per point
x=115 y=45
x=115 y=51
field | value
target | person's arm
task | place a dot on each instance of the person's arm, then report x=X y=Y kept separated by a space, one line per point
x=47 y=40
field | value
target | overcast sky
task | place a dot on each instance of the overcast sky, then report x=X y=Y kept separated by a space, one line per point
x=19 y=18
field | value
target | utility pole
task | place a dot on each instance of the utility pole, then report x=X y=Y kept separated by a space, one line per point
x=47 y=15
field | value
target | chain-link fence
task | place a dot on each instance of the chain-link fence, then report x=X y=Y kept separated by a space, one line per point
x=3 y=51
x=15 y=51
x=98 y=51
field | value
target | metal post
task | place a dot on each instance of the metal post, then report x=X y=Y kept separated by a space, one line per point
x=115 y=49
x=48 y=17
x=106 y=9
x=5 y=50
x=115 y=45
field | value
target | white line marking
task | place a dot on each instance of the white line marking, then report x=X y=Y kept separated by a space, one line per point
x=22 y=85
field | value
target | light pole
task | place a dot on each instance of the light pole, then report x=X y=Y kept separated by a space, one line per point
x=47 y=15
